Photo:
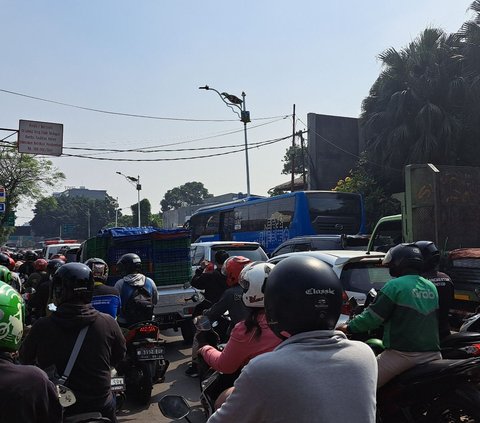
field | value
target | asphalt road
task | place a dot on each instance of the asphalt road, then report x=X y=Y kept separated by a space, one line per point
x=176 y=382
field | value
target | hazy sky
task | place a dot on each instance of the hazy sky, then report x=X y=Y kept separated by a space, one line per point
x=150 y=57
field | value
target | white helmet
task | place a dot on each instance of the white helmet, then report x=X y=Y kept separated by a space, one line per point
x=252 y=279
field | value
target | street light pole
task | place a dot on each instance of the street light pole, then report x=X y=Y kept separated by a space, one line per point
x=233 y=102
x=116 y=216
x=138 y=186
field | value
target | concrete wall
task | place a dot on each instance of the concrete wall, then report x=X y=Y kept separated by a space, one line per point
x=334 y=145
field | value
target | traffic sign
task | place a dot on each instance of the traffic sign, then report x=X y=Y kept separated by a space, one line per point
x=2 y=195
x=40 y=138
x=2 y=207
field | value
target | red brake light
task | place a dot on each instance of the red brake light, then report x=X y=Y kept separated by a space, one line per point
x=147 y=329
x=472 y=350
x=346 y=307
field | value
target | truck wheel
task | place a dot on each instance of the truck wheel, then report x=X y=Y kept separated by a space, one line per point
x=187 y=330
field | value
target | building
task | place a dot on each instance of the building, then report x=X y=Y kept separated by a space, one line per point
x=93 y=194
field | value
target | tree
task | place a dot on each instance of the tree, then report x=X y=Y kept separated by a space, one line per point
x=24 y=177
x=145 y=213
x=72 y=217
x=295 y=154
x=414 y=112
x=377 y=203
x=187 y=194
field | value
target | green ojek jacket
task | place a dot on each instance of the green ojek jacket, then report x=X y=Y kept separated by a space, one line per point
x=407 y=307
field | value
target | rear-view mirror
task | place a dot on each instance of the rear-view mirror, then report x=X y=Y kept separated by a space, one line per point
x=174 y=407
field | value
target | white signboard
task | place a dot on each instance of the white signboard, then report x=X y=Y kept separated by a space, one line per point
x=40 y=138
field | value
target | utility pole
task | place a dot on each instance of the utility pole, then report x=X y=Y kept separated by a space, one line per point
x=293 y=153
x=304 y=175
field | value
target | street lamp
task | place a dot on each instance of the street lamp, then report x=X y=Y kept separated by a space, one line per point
x=239 y=108
x=136 y=182
x=116 y=216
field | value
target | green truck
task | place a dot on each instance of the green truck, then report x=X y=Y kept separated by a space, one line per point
x=166 y=260
x=440 y=204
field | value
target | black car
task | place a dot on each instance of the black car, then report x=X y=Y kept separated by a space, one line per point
x=322 y=242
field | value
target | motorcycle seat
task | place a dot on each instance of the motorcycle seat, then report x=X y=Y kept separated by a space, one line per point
x=424 y=370
x=460 y=338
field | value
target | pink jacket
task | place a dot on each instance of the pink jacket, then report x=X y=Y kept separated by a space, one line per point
x=240 y=348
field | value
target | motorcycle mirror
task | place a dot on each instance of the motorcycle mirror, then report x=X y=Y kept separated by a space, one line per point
x=174 y=407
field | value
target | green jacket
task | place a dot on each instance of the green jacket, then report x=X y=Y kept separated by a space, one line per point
x=407 y=307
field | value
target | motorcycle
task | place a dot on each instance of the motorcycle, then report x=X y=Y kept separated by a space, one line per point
x=117 y=386
x=145 y=362
x=439 y=391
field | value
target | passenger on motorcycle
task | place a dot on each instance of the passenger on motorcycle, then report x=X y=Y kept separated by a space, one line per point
x=50 y=342
x=214 y=285
x=105 y=298
x=304 y=377
x=26 y=394
x=443 y=283
x=407 y=307
x=250 y=337
x=39 y=275
x=39 y=300
x=137 y=292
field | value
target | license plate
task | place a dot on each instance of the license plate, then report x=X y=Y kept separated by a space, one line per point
x=117 y=383
x=153 y=353
x=167 y=318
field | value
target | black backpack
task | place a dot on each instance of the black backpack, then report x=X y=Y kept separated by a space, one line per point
x=139 y=304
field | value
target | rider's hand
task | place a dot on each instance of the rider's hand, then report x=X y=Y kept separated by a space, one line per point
x=342 y=328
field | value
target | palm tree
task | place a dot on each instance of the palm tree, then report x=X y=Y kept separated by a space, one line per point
x=413 y=113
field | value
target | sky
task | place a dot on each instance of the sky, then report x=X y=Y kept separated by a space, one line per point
x=148 y=59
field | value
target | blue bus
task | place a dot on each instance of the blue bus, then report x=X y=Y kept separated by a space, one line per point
x=271 y=221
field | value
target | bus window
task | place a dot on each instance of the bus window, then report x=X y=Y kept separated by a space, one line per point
x=257 y=216
x=281 y=211
x=212 y=224
x=335 y=213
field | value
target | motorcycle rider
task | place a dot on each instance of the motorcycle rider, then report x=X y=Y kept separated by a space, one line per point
x=129 y=286
x=39 y=275
x=39 y=300
x=214 y=285
x=50 y=342
x=27 y=267
x=443 y=283
x=248 y=338
x=16 y=282
x=304 y=377
x=105 y=298
x=407 y=307
x=26 y=394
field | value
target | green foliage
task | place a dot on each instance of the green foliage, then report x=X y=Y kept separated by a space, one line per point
x=145 y=213
x=425 y=104
x=377 y=203
x=187 y=194
x=272 y=192
x=72 y=216
x=25 y=177
x=296 y=153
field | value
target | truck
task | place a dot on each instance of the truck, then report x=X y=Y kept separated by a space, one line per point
x=165 y=256
x=440 y=204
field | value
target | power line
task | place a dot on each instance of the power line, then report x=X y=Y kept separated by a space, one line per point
x=109 y=112
x=258 y=145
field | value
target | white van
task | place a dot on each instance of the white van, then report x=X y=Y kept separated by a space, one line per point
x=52 y=249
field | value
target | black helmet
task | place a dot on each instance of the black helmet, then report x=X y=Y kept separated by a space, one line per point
x=99 y=269
x=53 y=266
x=302 y=294
x=73 y=282
x=403 y=259
x=430 y=253
x=4 y=260
x=30 y=255
x=221 y=256
x=129 y=263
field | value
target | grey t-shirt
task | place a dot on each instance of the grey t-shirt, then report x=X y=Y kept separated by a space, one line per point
x=317 y=376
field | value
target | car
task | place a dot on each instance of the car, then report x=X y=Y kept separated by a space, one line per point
x=322 y=242
x=358 y=272
x=201 y=251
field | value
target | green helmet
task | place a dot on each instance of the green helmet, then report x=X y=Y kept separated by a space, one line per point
x=11 y=318
x=5 y=275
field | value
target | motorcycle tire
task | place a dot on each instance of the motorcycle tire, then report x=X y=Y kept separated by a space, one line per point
x=454 y=410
